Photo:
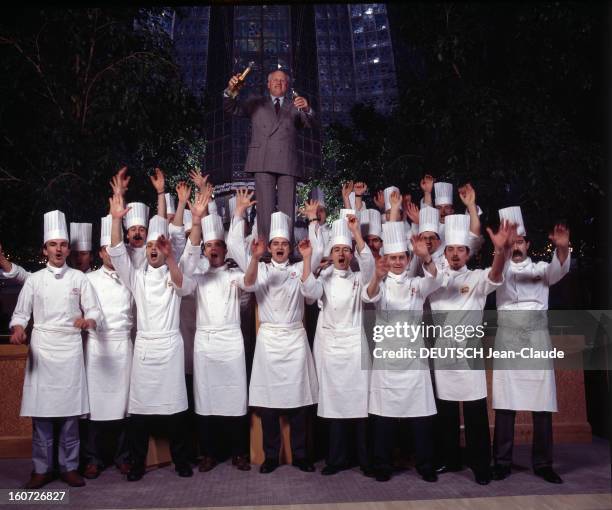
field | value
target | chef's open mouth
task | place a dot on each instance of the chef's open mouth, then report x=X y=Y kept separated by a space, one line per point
x=341 y=260
x=280 y=253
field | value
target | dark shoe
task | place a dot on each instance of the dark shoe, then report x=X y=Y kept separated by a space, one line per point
x=241 y=462
x=368 y=471
x=124 y=468
x=500 y=472
x=38 y=480
x=429 y=476
x=330 y=470
x=382 y=475
x=184 y=471
x=303 y=465
x=268 y=466
x=135 y=473
x=482 y=476
x=448 y=468
x=72 y=478
x=91 y=471
x=548 y=474
x=206 y=464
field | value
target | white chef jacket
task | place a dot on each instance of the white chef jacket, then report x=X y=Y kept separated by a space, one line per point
x=116 y=301
x=17 y=272
x=462 y=291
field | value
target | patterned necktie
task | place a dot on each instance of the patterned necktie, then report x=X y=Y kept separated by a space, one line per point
x=277 y=105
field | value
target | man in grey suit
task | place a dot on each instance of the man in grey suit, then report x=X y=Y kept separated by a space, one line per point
x=272 y=155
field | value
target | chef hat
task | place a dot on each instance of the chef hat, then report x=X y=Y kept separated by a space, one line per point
x=279 y=226
x=345 y=212
x=55 y=226
x=212 y=207
x=340 y=234
x=317 y=194
x=429 y=220
x=212 y=228
x=158 y=226
x=137 y=215
x=187 y=219
x=513 y=215
x=80 y=236
x=105 y=230
x=444 y=193
x=374 y=223
x=394 y=237
x=387 y=193
x=457 y=230
x=170 y=207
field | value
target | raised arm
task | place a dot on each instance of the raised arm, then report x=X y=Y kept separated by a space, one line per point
x=468 y=197
x=362 y=252
x=382 y=267
x=396 y=201
x=117 y=251
x=500 y=242
x=427 y=183
x=22 y=313
x=258 y=248
x=158 y=180
x=176 y=275
x=9 y=270
x=360 y=189
x=559 y=266
x=347 y=189
x=236 y=245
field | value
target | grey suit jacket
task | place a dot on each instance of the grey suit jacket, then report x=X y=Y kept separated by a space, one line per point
x=273 y=146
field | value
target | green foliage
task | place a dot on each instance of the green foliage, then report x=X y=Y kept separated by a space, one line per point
x=84 y=92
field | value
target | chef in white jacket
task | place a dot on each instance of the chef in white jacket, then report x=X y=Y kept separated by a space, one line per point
x=458 y=304
x=157 y=383
x=219 y=368
x=108 y=361
x=63 y=303
x=341 y=351
x=283 y=379
x=401 y=388
x=522 y=302
x=9 y=270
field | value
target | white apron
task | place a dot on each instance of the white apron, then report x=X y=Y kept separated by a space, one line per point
x=108 y=362
x=55 y=383
x=343 y=382
x=157 y=384
x=219 y=376
x=524 y=389
x=283 y=374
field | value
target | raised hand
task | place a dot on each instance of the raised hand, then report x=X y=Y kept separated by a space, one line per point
x=18 y=336
x=360 y=188
x=258 y=248
x=183 y=191
x=427 y=183
x=158 y=180
x=406 y=200
x=382 y=267
x=353 y=225
x=243 y=201
x=300 y=103
x=413 y=213
x=309 y=210
x=163 y=245
x=235 y=83
x=501 y=237
x=117 y=208
x=199 y=205
x=395 y=199
x=467 y=195
x=347 y=188
x=419 y=247
x=197 y=178
x=305 y=248
x=379 y=200
x=560 y=236
x=119 y=182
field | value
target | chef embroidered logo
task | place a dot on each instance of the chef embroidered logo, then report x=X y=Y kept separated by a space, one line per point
x=413 y=292
x=293 y=274
x=464 y=290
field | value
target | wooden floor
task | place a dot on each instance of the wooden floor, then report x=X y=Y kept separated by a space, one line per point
x=560 y=502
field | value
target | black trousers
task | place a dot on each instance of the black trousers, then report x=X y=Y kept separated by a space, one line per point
x=215 y=433
x=477 y=436
x=173 y=426
x=385 y=429
x=343 y=434
x=270 y=425
x=541 y=447
x=99 y=434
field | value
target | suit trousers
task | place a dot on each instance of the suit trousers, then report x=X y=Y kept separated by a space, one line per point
x=97 y=434
x=343 y=432
x=42 y=444
x=503 y=438
x=384 y=435
x=213 y=431
x=477 y=436
x=268 y=187
x=272 y=435
x=141 y=425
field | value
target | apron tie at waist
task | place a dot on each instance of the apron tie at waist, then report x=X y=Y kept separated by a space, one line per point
x=223 y=327
x=157 y=335
x=525 y=320
x=273 y=326
x=110 y=335
x=48 y=328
